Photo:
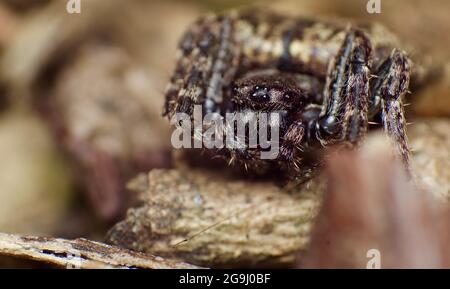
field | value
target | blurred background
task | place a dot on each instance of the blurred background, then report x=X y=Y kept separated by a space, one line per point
x=81 y=97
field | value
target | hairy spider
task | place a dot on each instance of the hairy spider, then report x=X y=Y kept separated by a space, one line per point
x=328 y=81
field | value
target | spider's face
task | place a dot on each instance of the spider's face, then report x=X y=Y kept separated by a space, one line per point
x=262 y=92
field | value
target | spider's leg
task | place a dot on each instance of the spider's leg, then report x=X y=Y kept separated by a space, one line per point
x=390 y=86
x=292 y=143
x=346 y=92
x=207 y=61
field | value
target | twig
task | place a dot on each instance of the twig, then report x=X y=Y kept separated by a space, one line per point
x=81 y=253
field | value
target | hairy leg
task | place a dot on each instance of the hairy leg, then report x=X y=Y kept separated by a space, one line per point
x=343 y=117
x=390 y=87
x=291 y=144
x=207 y=60
x=346 y=92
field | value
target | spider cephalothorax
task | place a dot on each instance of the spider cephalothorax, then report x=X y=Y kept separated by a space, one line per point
x=326 y=81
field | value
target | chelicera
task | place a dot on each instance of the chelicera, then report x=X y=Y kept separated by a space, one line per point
x=328 y=81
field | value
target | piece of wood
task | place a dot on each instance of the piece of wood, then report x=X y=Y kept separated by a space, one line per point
x=81 y=254
x=373 y=216
x=208 y=218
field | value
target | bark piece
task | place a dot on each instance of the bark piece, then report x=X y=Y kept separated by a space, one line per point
x=434 y=100
x=372 y=216
x=81 y=254
x=109 y=128
x=208 y=219
x=430 y=144
x=98 y=84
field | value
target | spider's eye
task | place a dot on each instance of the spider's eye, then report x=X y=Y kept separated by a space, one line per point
x=289 y=95
x=260 y=93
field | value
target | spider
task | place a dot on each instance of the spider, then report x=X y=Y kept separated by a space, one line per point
x=327 y=80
